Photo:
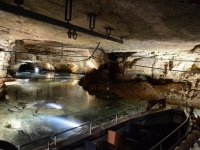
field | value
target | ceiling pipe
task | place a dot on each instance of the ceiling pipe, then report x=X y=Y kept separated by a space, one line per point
x=32 y=15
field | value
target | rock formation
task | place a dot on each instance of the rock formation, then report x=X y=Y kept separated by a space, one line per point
x=156 y=79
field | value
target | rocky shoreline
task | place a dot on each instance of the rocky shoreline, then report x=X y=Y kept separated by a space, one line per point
x=98 y=82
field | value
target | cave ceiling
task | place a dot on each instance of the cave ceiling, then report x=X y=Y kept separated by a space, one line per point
x=147 y=25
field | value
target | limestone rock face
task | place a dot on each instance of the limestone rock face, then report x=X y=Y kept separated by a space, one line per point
x=146 y=25
x=144 y=81
x=162 y=37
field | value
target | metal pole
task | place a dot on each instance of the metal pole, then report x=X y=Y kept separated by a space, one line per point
x=90 y=128
x=48 y=148
x=137 y=111
x=18 y=147
x=116 y=118
x=55 y=140
x=149 y=107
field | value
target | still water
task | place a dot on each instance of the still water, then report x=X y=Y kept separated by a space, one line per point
x=38 y=105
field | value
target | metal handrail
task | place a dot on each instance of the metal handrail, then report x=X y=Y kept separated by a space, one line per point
x=86 y=123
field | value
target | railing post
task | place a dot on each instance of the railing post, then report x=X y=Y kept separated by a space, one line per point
x=48 y=147
x=18 y=147
x=160 y=146
x=149 y=107
x=90 y=128
x=186 y=105
x=55 y=140
x=179 y=133
x=137 y=111
x=116 y=118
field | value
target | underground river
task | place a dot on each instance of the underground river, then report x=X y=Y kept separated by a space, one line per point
x=42 y=104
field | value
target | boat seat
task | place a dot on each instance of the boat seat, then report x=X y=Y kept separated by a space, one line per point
x=115 y=141
x=137 y=133
x=118 y=142
x=132 y=131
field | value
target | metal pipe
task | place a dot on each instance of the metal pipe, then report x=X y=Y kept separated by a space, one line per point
x=48 y=148
x=91 y=128
x=39 y=17
x=55 y=141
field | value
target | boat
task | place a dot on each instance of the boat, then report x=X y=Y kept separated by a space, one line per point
x=151 y=125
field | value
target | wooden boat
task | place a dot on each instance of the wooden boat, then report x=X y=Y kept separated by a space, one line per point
x=159 y=127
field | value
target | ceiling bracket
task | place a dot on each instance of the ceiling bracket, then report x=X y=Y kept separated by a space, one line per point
x=68 y=10
x=72 y=34
x=108 y=30
x=19 y=2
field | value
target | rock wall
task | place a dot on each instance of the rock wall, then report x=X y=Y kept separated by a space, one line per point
x=148 y=76
x=51 y=59
x=4 y=62
x=181 y=67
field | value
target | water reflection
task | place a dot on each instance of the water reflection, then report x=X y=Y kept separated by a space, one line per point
x=38 y=106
